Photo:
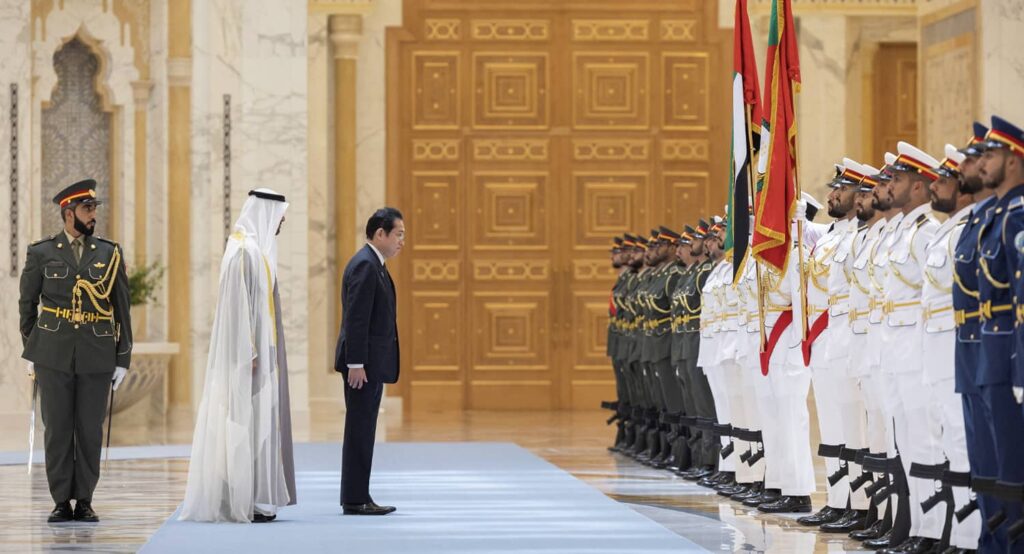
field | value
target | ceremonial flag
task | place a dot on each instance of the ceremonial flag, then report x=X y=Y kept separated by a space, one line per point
x=746 y=126
x=776 y=195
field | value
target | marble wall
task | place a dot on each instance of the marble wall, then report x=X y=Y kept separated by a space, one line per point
x=1002 y=59
x=15 y=68
x=256 y=52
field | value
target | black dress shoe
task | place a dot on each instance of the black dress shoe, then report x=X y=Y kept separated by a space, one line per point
x=696 y=474
x=732 y=490
x=368 y=509
x=874 y=531
x=787 y=505
x=828 y=514
x=766 y=496
x=879 y=543
x=752 y=491
x=83 y=512
x=61 y=513
x=852 y=520
x=913 y=545
x=261 y=518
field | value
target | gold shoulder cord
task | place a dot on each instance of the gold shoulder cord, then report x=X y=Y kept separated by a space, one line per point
x=984 y=265
x=96 y=292
x=871 y=265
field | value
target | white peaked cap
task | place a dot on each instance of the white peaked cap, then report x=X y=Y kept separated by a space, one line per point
x=954 y=155
x=909 y=152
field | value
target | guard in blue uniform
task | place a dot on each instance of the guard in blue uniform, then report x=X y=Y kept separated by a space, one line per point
x=980 y=442
x=1002 y=170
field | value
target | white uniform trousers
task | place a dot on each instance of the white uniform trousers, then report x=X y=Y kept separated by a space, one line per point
x=791 y=451
x=719 y=391
x=918 y=439
x=855 y=435
x=829 y=399
x=744 y=416
x=954 y=446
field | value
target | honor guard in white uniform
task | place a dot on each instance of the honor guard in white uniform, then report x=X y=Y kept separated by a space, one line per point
x=825 y=351
x=947 y=461
x=909 y=402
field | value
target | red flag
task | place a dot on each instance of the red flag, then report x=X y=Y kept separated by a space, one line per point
x=776 y=195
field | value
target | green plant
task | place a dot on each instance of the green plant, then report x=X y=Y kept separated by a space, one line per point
x=143 y=282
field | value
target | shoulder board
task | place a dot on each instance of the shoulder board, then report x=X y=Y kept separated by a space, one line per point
x=108 y=241
x=1016 y=204
x=44 y=239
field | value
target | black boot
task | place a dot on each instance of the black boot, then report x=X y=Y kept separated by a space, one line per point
x=852 y=520
x=61 y=513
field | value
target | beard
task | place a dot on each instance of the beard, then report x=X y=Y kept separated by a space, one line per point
x=83 y=228
x=993 y=179
x=865 y=213
x=944 y=205
x=971 y=185
x=881 y=204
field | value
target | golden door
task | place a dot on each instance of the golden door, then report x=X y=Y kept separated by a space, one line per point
x=523 y=135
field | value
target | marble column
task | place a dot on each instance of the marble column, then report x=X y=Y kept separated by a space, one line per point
x=179 y=209
x=1002 y=59
x=141 y=90
x=345 y=32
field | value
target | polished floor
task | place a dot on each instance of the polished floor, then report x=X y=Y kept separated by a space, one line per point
x=136 y=496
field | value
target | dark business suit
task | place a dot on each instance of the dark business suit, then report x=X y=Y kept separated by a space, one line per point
x=369 y=336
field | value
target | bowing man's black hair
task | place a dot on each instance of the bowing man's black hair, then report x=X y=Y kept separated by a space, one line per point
x=383 y=218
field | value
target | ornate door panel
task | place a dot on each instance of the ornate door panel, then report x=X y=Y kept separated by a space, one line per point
x=523 y=136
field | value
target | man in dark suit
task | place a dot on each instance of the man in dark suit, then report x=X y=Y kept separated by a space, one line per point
x=367 y=353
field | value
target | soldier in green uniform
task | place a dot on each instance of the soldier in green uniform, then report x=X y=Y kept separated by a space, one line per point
x=683 y=424
x=666 y=397
x=699 y=406
x=633 y=335
x=621 y=403
x=77 y=334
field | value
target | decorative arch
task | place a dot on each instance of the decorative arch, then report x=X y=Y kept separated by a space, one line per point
x=109 y=38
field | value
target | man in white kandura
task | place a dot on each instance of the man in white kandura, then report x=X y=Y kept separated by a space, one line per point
x=242 y=468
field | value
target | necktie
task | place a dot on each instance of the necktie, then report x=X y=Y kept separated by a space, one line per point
x=76 y=245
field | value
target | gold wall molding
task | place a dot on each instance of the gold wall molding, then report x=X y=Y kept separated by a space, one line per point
x=443 y=29
x=610 y=149
x=678 y=30
x=511 y=270
x=435 y=270
x=434 y=150
x=612 y=30
x=511 y=29
x=592 y=270
x=686 y=150
x=510 y=150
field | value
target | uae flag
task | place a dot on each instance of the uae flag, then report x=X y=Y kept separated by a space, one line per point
x=776 y=194
x=746 y=127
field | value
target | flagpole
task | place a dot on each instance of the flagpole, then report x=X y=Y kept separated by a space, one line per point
x=798 y=192
x=750 y=187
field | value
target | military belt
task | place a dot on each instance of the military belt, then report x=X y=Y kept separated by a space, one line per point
x=987 y=309
x=76 y=317
x=929 y=313
x=855 y=314
x=962 y=316
x=889 y=306
x=837 y=298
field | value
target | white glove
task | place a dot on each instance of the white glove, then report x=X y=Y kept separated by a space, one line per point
x=1018 y=394
x=119 y=374
x=801 y=210
x=31 y=369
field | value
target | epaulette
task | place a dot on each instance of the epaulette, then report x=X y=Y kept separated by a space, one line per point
x=1016 y=204
x=44 y=239
x=108 y=241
